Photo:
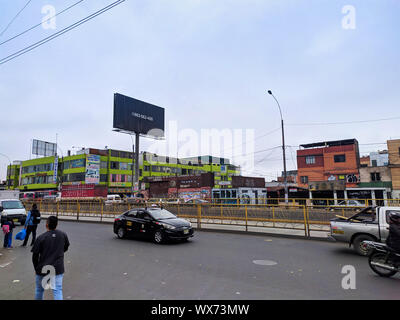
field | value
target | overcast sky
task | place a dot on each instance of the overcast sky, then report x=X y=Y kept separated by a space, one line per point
x=209 y=64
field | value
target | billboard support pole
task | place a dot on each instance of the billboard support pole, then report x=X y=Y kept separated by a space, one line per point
x=137 y=158
x=133 y=168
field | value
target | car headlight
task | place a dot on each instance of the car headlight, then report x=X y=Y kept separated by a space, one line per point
x=168 y=226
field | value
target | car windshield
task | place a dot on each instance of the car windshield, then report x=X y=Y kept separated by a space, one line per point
x=12 y=205
x=161 y=214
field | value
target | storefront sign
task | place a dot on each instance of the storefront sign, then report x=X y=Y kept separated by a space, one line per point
x=92 y=169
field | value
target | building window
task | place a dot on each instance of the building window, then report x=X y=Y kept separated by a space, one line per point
x=375 y=176
x=304 y=179
x=340 y=158
x=374 y=163
x=103 y=178
x=310 y=160
x=114 y=165
x=103 y=165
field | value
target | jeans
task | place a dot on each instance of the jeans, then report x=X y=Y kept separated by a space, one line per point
x=30 y=229
x=57 y=291
x=8 y=240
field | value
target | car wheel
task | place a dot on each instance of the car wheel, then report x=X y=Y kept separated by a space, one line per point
x=359 y=248
x=158 y=237
x=121 y=233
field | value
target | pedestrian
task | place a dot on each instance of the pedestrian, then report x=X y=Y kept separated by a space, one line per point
x=7 y=227
x=393 y=239
x=31 y=224
x=48 y=250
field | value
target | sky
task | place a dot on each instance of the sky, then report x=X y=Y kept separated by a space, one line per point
x=209 y=63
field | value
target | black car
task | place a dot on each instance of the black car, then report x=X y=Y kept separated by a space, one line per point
x=157 y=224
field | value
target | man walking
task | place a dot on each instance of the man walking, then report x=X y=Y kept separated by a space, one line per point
x=31 y=224
x=48 y=252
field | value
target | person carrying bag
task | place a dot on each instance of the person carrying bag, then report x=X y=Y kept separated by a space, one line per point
x=31 y=224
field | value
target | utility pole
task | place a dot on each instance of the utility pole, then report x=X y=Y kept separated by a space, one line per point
x=283 y=151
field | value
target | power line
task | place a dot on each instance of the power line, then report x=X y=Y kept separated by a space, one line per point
x=15 y=17
x=344 y=122
x=37 y=25
x=59 y=33
x=256 y=138
x=259 y=151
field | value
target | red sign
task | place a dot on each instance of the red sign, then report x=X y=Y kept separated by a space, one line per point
x=83 y=191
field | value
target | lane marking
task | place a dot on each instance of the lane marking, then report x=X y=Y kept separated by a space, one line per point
x=265 y=262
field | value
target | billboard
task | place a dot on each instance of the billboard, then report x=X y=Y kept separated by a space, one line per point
x=43 y=148
x=135 y=116
x=92 y=175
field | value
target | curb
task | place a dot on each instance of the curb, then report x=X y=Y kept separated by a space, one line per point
x=251 y=233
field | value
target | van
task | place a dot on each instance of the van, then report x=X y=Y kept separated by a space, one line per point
x=14 y=210
x=113 y=198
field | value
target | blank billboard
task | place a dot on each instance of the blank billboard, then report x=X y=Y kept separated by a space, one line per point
x=43 y=148
x=132 y=115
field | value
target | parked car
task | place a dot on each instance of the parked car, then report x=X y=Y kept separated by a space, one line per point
x=369 y=224
x=135 y=199
x=153 y=223
x=196 y=201
x=52 y=197
x=113 y=199
x=348 y=204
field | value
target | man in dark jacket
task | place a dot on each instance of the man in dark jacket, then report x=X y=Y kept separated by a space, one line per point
x=31 y=224
x=48 y=255
x=393 y=240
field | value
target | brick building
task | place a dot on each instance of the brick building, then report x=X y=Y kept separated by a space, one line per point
x=328 y=168
x=394 y=165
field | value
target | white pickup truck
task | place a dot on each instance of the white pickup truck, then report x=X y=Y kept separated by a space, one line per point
x=369 y=224
x=13 y=209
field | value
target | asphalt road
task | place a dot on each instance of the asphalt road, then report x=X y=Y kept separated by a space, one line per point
x=210 y=266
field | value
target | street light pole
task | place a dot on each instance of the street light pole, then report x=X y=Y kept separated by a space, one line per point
x=283 y=150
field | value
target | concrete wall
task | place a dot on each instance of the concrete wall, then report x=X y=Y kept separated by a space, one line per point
x=382 y=159
x=365 y=173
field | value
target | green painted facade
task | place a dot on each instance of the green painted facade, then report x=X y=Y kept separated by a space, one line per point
x=115 y=171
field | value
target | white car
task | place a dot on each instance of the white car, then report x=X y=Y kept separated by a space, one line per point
x=113 y=199
x=14 y=210
x=351 y=203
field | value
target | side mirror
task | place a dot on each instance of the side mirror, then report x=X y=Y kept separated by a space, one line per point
x=1 y=209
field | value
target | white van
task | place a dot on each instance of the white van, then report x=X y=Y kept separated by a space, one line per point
x=14 y=210
x=113 y=198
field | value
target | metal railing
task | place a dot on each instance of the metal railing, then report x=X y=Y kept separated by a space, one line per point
x=306 y=217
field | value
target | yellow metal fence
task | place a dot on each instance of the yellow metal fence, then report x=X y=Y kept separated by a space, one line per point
x=307 y=217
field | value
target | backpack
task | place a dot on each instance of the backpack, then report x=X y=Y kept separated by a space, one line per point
x=35 y=216
x=6 y=228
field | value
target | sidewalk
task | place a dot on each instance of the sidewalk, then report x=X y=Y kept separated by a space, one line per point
x=295 y=230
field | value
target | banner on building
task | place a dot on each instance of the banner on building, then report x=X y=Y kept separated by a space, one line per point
x=92 y=169
x=55 y=171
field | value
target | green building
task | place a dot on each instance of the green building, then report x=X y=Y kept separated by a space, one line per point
x=112 y=168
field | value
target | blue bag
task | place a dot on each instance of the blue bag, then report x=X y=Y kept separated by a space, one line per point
x=21 y=235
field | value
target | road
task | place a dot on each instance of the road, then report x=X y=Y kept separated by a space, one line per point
x=210 y=266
